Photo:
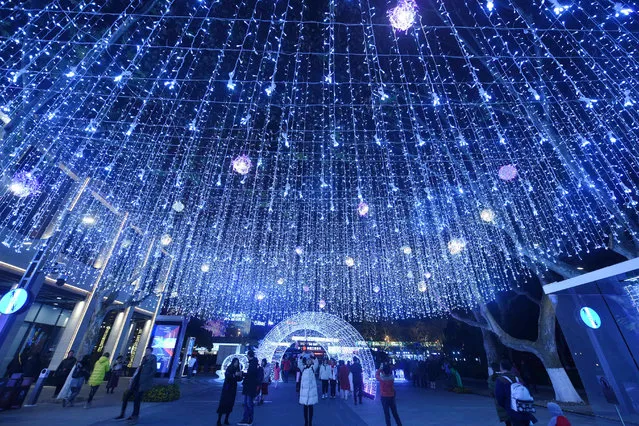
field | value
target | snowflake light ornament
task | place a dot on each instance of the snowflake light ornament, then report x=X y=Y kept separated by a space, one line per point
x=242 y=164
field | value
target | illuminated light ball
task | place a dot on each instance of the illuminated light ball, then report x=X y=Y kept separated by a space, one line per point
x=322 y=303
x=376 y=289
x=242 y=164
x=349 y=261
x=456 y=245
x=487 y=215
x=126 y=243
x=178 y=206
x=24 y=184
x=280 y=281
x=507 y=172
x=407 y=250
x=362 y=209
x=402 y=16
x=410 y=275
x=299 y=251
x=88 y=220
x=306 y=288
x=428 y=275
x=174 y=294
x=165 y=240
x=421 y=286
x=205 y=267
x=259 y=296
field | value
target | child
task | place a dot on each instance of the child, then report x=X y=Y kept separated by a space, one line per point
x=558 y=418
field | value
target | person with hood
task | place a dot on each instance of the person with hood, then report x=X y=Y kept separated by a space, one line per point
x=558 y=418
x=387 y=391
x=100 y=369
x=63 y=371
x=141 y=382
x=358 y=380
x=232 y=375
x=308 y=387
x=325 y=377
x=249 y=388
x=333 y=378
x=503 y=397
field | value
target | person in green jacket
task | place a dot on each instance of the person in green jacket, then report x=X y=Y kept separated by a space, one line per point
x=101 y=367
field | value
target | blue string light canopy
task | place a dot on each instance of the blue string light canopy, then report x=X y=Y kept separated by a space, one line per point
x=389 y=159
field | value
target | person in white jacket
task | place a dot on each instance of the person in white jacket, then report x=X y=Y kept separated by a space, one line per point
x=325 y=376
x=308 y=386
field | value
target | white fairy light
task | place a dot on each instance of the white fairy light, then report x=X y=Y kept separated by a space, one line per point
x=205 y=267
x=456 y=245
x=349 y=261
x=407 y=250
x=178 y=206
x=487 y=215
x=89 y=220
x=165 y=240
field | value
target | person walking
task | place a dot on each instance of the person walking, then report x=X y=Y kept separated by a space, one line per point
x=308 y=387
x=191 y=366
x=358 y=380
x=286 y=369
x=492 y=382
x=266 y=380
x=249 y=388
x=77 y=377
x=325 y=376
x=232 y=376
x=503 y=397
x=344 y=383
x=387 y=391
x=276 y=373
x=141 y=382
x=100 y=369
x=117 y=368
x=63 y=371
x=333 y=378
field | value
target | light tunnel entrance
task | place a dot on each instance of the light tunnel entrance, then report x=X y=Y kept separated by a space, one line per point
x=339 y=339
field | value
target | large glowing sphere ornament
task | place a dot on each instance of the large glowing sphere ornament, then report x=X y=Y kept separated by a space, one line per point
x=428 y=275
x=178 y=206
x=507 y=172
x=349 y=261
x=362 y=209
x=402 y=16
x=407 y=250
x=242 y=164
x=421 y=286
x=280 y=281
x=259 y=296
x=88 y=220
x=376 y=289
x=205 y=267
x=165 y=240
x=322 y=303
x=299 y=251
x=24 y=184
x=487 y=215
x=456 y=245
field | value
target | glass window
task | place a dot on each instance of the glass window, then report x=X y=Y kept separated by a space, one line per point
x=48 y=315
x=33 y=312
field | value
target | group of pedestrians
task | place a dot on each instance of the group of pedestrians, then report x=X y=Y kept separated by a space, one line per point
x=72 y=374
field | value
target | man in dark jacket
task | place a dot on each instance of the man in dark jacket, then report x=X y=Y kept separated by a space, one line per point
x=62 y=372
x=141 y=382
x=358 y=380
x=502 y=397
x=249 y=388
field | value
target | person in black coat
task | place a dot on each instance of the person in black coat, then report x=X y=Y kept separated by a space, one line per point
x=232 y=375
x=358 y=380
x=249 y=388
x=62 y=372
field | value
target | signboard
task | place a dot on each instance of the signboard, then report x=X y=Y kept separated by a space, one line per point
x=590 y=317
x=15 y=301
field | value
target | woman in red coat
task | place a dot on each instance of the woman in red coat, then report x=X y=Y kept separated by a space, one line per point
x=342 y=376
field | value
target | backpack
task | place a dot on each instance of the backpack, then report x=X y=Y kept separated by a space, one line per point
x=562 y=421
x=520 y=398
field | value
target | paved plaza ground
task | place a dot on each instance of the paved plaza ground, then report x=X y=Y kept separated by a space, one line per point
x=200 y=399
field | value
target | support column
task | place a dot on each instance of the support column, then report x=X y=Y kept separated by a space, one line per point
x=60 y=350
x=94 y=297
x=143 y=343
x=120 y=336
x=116 y=330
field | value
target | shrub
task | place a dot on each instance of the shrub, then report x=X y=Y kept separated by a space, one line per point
x=161 y=393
